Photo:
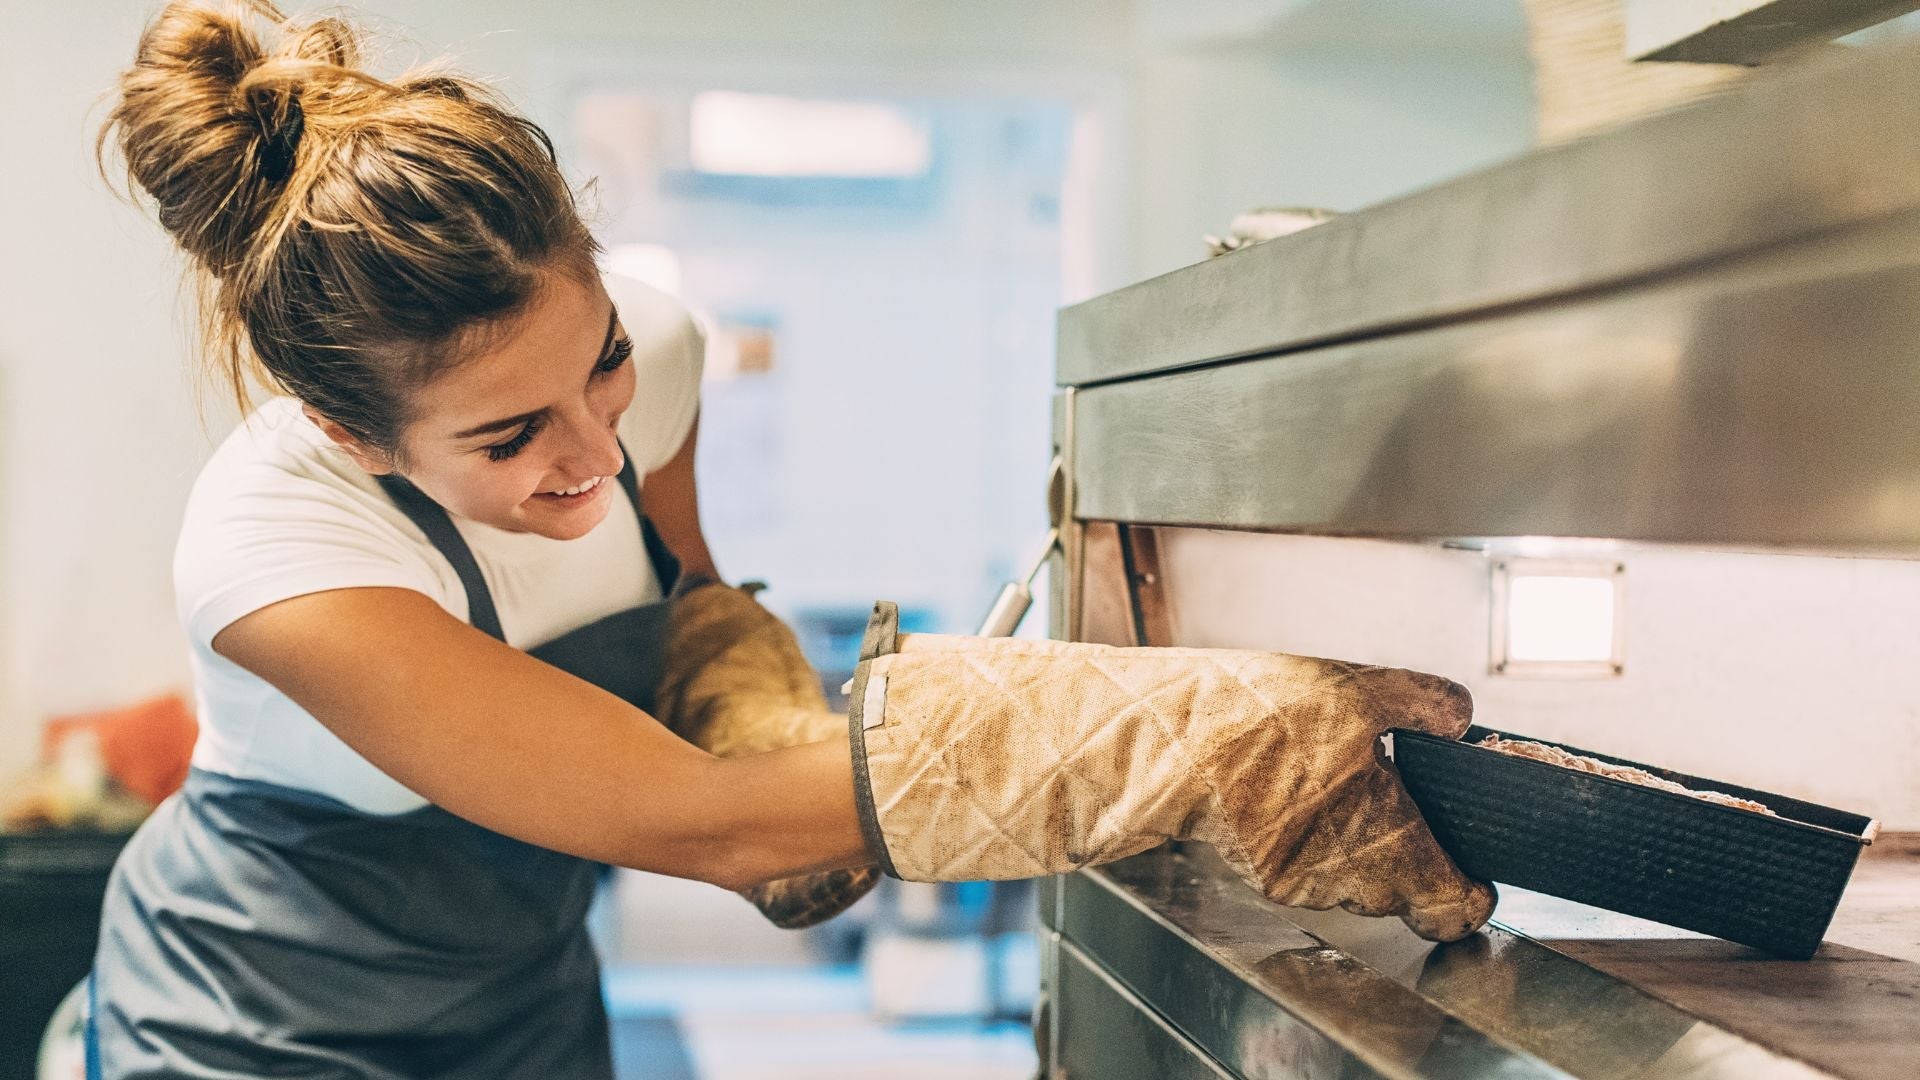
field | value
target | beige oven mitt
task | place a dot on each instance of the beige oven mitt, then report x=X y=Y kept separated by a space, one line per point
x=736 y=682
x=988 y=758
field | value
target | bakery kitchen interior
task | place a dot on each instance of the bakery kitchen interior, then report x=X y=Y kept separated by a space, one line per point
x=1175 y=538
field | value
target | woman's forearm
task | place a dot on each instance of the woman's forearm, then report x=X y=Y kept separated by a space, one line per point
x=513 y=744
x=783 y=813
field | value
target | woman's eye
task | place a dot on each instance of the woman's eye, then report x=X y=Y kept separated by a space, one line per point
x=505 y=450
x=622 y=349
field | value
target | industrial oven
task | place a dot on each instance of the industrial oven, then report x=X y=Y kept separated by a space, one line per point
x=1681 y=359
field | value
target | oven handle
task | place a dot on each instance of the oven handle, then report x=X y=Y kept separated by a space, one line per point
x=1016 y=597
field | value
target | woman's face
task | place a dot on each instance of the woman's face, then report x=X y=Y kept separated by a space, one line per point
x=502 y=436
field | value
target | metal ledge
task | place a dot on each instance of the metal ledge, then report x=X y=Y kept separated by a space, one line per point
x=1258 y=995
x=1769 y=405
x=1266 y=991
x=1128 y=1040
x=1746 y=31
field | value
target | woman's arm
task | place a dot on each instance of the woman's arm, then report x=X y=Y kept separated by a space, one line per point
x=674 y=506
x=509 y=742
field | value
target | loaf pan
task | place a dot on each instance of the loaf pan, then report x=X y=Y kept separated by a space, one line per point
x=1769 y=882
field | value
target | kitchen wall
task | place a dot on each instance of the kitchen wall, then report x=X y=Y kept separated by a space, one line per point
x=1329 y=102
x=1789 y=673
x=1338 y=104
x=98 y=437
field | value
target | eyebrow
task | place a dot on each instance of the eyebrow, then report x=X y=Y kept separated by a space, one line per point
x=613 y=320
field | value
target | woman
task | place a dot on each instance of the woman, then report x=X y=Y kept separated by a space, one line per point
x=429 y=618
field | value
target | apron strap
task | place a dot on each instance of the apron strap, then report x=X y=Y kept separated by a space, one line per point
x=434 y=521
x=666 y=566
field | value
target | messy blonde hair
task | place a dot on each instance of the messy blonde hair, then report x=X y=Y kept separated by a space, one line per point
x=349 y=235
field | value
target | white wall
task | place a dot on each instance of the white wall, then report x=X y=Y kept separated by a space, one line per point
x=1339 y=133
x=1794 y=674
x=1337 y=104
x=100 y=443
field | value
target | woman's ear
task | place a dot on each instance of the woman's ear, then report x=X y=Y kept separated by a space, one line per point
x=375 y=462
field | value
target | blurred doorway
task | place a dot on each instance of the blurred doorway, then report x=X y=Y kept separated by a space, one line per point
x=879 y=276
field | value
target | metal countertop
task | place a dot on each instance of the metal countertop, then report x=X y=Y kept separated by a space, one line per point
x=1548 y=989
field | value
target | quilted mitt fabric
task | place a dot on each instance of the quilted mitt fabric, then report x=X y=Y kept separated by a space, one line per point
x=1002 y=758
x=737 y=683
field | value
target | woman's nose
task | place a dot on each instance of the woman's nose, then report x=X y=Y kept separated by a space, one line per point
x=592 y=448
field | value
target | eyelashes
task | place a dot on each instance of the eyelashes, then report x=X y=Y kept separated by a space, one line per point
x=622 y=350
x=621 y=353
x=505 y=450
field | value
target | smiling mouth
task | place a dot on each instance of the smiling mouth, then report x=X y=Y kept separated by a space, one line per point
x=578 y=493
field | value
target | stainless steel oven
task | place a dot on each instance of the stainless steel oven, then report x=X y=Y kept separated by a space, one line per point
x=1686 y=352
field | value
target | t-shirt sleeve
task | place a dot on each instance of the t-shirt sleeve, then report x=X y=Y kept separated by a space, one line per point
x=669 y=355
x=256 y=534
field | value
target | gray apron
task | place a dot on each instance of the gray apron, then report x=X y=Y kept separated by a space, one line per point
x=252 y=930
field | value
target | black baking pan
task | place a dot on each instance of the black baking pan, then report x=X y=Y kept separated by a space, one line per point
x=1769 y=882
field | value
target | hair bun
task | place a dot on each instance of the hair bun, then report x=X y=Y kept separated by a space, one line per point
x=349 y=236
x=210 y=120
x=282 y=122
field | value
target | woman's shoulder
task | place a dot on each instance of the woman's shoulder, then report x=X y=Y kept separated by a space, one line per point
x=277 y=510
x=276 y=454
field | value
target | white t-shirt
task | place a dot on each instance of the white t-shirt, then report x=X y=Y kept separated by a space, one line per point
x=279 y=512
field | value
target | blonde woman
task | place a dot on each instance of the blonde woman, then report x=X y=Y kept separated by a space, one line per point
x=429 y=588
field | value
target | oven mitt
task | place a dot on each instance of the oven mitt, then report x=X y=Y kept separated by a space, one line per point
x=736 y=682
x=988 y=758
